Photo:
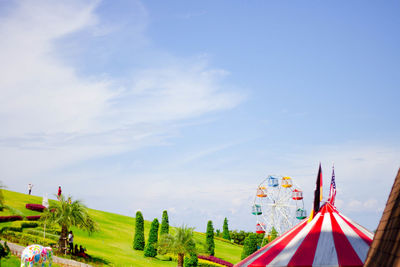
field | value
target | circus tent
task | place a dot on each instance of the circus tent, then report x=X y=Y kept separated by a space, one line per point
x=327 y=239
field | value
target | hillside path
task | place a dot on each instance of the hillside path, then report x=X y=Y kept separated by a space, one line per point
x=17 y=250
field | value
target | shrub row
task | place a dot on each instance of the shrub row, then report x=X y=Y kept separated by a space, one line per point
x=216 y=260
x=35 y=207
x=27 y=239
x=24 y=224
x=10 y=228
x=10 y=218
x=49 y=230
x=201 y=263
x=40 y=234
x=204 y=263
x=33 y=218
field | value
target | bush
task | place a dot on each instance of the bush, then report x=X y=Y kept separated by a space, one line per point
x=201 y=262
x=210 y=245
x=239 y=237
x=50 y=230
x=33 y=218
x=138 y=241
x=225 y=231
x=150 y=249
x=40 y=233
x=215 y=259
x=11 y=228
x=10 y=218
x=35 y=207
x=191 y=261
x=29 y=224
x=250 y=246
x=24 y=224
x=28 y=239
x=204 y=263
x=164 y=223
x=4 y=250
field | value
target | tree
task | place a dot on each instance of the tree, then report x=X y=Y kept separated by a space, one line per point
x=1 y=196
x=66 y=215
x=150 y=249
x=238 y=237
x=164 y=223
x=250 y=245
x=225 y=230
x=218 y=232
x=181 y=244
x=272 y=234
x=210 y=246
x=4 y=251
x=138 y=241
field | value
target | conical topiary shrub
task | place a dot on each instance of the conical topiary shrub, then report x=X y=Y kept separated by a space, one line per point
x=150 y=249
x=138 y=241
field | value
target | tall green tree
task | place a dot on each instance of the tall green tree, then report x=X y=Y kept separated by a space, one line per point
x=180 y=244
x=210 y=245
x=250 y=245
x=138 y=241
x=225 y=230
x=66 y=215
x=150 y=249
x=164 y=223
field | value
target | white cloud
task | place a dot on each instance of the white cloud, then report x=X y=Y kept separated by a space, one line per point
x=52 y=116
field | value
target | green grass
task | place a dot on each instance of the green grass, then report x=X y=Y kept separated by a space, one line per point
x=14 y=261
x=112 y=244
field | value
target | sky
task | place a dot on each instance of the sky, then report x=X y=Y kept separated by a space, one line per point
x=187 y=106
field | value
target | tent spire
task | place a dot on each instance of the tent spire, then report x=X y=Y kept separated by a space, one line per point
x=317 y=194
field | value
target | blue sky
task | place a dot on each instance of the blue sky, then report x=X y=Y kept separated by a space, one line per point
x=188 y=106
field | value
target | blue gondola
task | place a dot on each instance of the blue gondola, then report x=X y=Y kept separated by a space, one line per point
x=272 y=181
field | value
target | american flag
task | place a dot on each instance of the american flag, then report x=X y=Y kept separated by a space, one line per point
x=332 y=191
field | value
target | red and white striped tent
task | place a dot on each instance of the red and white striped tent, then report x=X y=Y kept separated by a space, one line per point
x=329 y=239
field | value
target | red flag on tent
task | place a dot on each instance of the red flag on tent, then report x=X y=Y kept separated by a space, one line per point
x=332 y=190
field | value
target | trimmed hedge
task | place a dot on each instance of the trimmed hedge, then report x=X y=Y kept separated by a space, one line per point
x=27 y=239
x=216 y=260
x=204 y=263
x=10 y=228
x=50 y=231
x=35 y=207
x=25 y=224
x=40 y=234
x=10 y=218
x=33 y=218
x=201 y=263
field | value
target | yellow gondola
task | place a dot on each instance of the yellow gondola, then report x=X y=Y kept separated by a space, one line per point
x=287 y=182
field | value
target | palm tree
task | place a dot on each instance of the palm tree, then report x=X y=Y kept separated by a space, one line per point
x=67 y=214
x=180 y=244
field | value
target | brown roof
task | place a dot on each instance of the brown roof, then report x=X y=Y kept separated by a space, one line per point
x=385 y=248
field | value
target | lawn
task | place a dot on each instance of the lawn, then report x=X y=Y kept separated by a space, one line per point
x=113 y=242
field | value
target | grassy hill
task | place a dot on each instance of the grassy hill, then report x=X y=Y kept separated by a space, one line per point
x=113 y=243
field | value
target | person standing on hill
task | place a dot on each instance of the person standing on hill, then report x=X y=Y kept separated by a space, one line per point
x=30 y=188
x=59 y=192
x=71 y=242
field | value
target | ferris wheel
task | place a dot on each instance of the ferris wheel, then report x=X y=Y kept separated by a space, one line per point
x=278 y=204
